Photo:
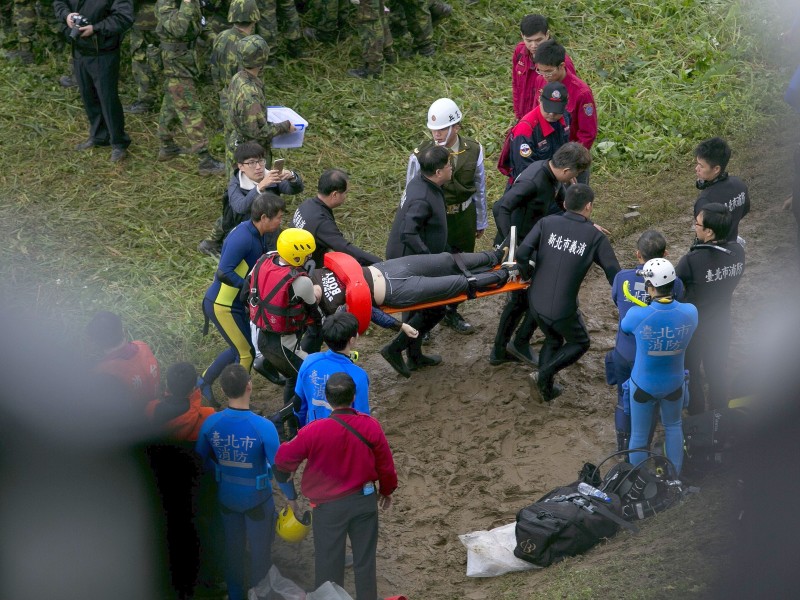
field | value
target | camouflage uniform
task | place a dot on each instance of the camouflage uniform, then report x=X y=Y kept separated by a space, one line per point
x=25 y=21
x=177 y=29
x=145 y=57
x=224 y=63
x=373 y=31
x=413 y=16
x=247 y=114
x=329 y=17
x=267 y=28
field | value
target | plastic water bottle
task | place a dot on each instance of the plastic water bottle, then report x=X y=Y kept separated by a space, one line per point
x=589 y=490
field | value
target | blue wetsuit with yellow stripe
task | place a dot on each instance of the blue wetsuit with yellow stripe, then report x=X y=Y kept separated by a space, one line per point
x=221 y=305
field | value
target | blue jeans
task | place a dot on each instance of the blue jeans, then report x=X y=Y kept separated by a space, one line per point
x=641 y=420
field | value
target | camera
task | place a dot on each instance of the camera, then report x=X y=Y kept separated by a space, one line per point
x=78 y=21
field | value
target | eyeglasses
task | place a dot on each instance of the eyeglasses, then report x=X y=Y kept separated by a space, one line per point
x=549 y=73
x=255 y=162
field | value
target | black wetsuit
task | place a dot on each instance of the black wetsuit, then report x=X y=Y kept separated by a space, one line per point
x=727 y=190
x=564 y=248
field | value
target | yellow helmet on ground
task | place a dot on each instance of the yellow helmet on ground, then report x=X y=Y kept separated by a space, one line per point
x=289 y=528
x=294 y=245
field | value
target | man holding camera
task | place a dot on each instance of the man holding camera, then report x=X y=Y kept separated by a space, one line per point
x=96 y=35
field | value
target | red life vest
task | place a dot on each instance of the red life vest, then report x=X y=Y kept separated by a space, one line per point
x=270 y=287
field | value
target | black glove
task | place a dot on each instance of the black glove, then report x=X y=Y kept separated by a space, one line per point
x=525 y=269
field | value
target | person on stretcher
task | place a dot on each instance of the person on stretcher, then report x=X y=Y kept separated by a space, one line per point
x=408 y=281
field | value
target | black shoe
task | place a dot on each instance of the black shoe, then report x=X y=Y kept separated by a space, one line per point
x=296 y=48
x=210 y=166
x=24 y=56
x=87 y=145
x=456 y=322
x=138 y=108
x=539 y=393
x=439 y=12
x=169 y=152
x=67 y=81
x=272 y=62
x=211 y=249
x=364 y=73
x=118 y=154
x=427 y=50
x=267 y=370
x=390 y=56
x=423 y=360
x=524 y=354
x=499 y=357
x=395 y=359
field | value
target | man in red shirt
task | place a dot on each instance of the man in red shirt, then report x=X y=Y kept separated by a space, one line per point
x=534 y=29
x=346 y=452
x=132 y=363
x=551 y=66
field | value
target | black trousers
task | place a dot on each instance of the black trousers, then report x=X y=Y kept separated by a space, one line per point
x=514 y=311
x=285 y=361
x=356 y=517
x=565 y=341
x=98 y=81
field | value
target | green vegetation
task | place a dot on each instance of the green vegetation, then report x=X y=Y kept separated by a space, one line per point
x=80 y=234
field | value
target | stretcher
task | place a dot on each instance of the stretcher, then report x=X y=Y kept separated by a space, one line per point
x=510 y=286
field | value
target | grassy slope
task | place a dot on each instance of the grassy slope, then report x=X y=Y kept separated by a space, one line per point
x=80 y=234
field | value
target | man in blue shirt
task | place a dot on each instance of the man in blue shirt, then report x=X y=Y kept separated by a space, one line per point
x=240 y=447
x=340 y=332
x=619 y=361
x=662 y=331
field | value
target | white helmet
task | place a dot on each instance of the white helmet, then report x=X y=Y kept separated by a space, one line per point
x=443 y=113
x=658 y=272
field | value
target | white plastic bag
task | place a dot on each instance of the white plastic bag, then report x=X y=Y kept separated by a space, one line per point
x=278 y=584
x=329 y=591
x=491 y=553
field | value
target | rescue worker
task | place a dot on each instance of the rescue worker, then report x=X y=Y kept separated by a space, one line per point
x=662 y=330
x=716 y=185
x=535 y=30
x=564 y=247
x=222 y=304
x=537 y=192
x=180 y=412
x=464 y=194
x=282 y=303
x=240 y=447
x=710 y=273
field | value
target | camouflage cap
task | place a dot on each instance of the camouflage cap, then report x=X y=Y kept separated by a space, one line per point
x=253 y=51
x=243 y=11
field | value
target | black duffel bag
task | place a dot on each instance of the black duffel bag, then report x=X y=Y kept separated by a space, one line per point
x=565 y=523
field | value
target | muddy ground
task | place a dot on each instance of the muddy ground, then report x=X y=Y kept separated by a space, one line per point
x=471 y=448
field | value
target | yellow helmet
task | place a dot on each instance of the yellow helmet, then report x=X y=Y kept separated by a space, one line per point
x=294 y=245
x=289 y=528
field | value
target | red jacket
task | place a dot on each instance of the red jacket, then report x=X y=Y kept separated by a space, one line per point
x=580 y=106
x=134 y=365
x=523 y=79
x=339 y=464
x=186 y=426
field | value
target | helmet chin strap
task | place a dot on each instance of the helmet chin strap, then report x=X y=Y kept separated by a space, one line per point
x=447 y=137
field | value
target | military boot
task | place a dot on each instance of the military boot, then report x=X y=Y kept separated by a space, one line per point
x=209 y=165
x=169 y=151
x=365 y=72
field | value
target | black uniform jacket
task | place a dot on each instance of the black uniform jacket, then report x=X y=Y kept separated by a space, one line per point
x=109 y=18
x=564 y=247
x=420 y=224
x=315 y=216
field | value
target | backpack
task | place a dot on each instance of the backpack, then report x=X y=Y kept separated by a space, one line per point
x=230 y=218
x=566 y=522
x=711 y=438
x=644 y=489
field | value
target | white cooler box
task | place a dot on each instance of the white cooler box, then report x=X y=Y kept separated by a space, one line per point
x=278 y=114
